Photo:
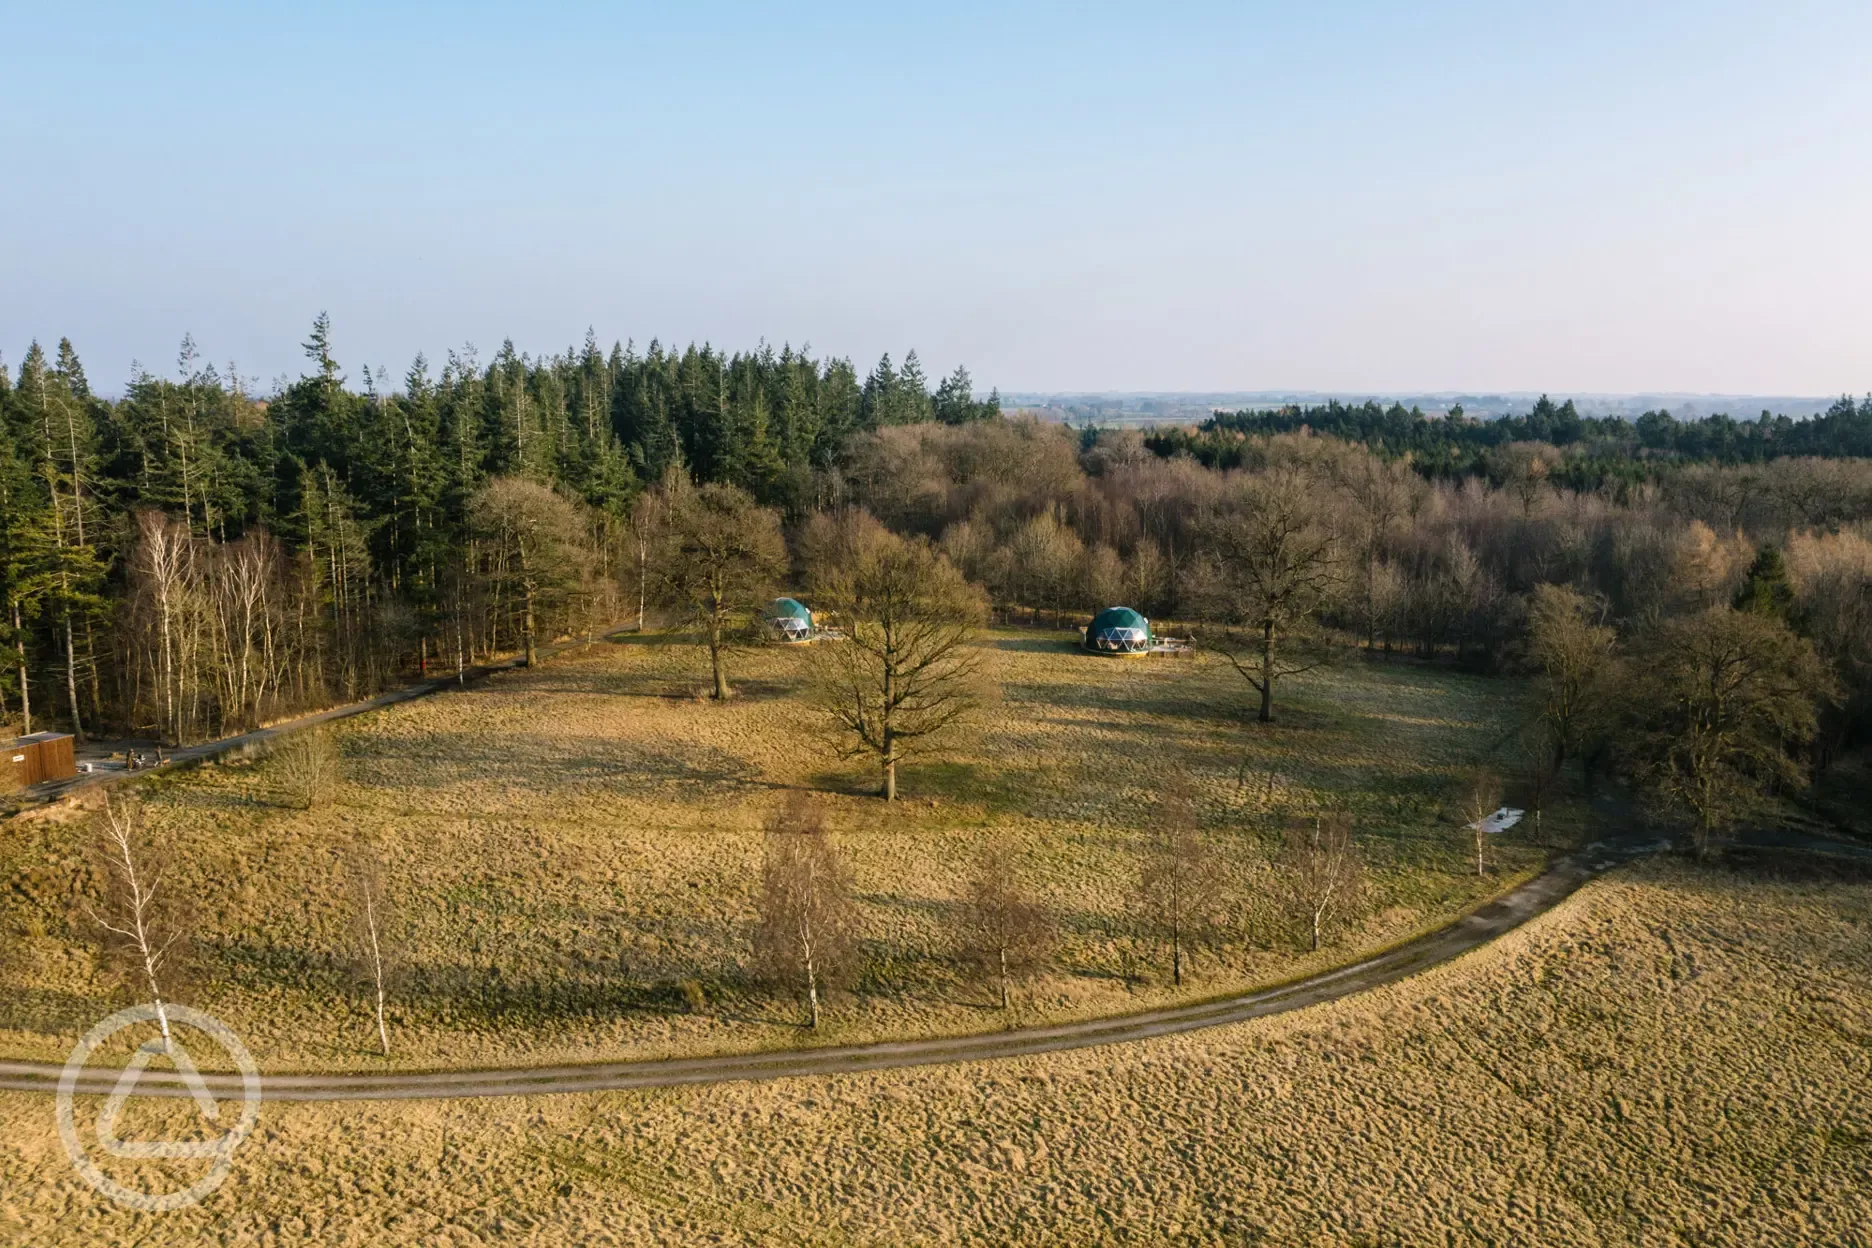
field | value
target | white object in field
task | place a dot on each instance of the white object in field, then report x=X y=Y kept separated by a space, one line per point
x=1500 y=821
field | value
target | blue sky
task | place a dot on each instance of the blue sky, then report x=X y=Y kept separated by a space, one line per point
x=1339 y=196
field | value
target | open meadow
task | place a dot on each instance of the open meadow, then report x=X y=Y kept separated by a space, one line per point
x=1676 y=1055
x=573 y=853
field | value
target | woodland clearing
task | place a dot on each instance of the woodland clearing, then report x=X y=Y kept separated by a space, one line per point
x=574 y=851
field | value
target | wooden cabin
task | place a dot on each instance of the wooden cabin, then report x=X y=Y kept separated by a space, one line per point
x=42 y=756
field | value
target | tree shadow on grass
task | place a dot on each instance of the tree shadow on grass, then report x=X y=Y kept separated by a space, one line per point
x=51 y=1011
x=994 y=788
x=1787 y=867
x=625 y=639
x=763 y=689
x=1039 y=645
x=945 y=913
x=1131 y=700
x=720 y=1012
x=543 y=764
x=844 y=782
x=590 y=682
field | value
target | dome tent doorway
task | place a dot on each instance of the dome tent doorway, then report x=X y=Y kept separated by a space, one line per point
x=1118 y=630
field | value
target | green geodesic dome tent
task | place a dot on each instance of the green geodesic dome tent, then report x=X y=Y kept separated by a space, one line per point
x=790 y=619
x=1118 y=630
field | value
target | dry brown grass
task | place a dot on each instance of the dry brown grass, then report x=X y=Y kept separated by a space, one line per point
x=577 y=850
x=1677 y=1055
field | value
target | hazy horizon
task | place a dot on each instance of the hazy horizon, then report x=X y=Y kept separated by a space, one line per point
x=1602 y=199
x=1183 y=407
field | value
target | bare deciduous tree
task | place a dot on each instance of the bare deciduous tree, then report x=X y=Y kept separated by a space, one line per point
x=1381 y=493
x=724 y=557
x=165 y=569
x=1832 y=574
x=1273 y=560
x=307 y=768
x=1523 y=468
x=1724 y=698
x=1007 y=934
x=650 y=518
x=1705 y=567
x=536 y=552
x=907 y=670
x=143 y=925
x=1541 y=773
x=1321 y=873
x=375 y=951
x=831 y=544
x=1577 y=659
x=807 y=936
x=1480 y=797
x=1179 y=882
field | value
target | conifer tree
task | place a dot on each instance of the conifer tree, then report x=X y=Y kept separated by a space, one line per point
x=1765 y=590
x=341 y=513
x=878 y=406
x=913 y=398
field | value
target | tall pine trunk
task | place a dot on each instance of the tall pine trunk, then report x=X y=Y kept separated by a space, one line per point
x=71 y=676
x=25 y=687
x=527 y=589
x=643 y=581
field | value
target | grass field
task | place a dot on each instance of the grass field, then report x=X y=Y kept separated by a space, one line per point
x=576 y=851
x=1677 y=1055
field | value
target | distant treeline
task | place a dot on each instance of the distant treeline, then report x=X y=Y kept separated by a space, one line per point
x=1599 y=449
x=191 y=559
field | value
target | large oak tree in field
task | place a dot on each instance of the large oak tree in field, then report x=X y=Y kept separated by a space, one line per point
x=1721 y=700
x=725 y=557
x=1271 y=559
x=907 y=669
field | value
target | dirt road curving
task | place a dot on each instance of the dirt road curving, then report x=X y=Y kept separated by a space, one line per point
x=1517 y=907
